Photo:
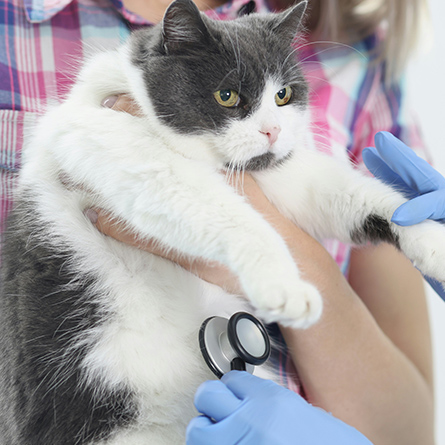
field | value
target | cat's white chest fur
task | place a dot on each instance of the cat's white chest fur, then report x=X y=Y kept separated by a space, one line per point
x=149 y=340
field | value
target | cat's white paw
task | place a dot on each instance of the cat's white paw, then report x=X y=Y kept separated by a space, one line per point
x=297 y=304
x=424 y=245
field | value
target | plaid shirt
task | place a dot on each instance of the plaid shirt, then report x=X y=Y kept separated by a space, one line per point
x=44 y=41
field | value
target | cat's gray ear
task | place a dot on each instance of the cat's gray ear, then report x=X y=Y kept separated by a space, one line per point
x=183 y=27
x=288 y=23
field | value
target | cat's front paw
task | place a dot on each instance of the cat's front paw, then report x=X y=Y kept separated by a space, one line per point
x=424 y=245
x=297 y=305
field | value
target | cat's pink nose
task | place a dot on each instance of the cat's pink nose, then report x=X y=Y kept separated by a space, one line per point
x=272 y=132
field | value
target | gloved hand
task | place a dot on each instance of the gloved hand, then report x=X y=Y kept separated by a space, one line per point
x=245 y=410
x=397 y=165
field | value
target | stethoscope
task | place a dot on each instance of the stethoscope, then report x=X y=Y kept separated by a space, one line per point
x=238 y=343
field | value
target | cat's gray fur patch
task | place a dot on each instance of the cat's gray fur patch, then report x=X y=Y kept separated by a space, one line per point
x=44 y=305
x=262 y=162
x=375 y=229
x=223 y=55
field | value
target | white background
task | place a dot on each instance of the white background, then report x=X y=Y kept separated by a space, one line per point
x=427 y=90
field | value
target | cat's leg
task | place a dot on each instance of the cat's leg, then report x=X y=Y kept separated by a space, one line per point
x=423 y=244
x=186 y=205
x=337 y=201
x=374 y=204
x=194 y=211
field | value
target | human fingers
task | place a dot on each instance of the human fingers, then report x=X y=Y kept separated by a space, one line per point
x=427 y=206
x=214 y=399
x=380 y=169
x=242 y=384
x=124 y=103
x=109 y=225
x=209 y=271
x=413 y=170
x=203 y=431
x=197 y=431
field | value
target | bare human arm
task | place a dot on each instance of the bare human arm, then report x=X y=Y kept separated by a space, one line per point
x=368 y=360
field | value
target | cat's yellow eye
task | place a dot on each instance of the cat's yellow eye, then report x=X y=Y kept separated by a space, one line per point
x=283 y=96
x=227 y=98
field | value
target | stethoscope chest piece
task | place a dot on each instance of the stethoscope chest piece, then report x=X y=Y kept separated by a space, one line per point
x=240 y=343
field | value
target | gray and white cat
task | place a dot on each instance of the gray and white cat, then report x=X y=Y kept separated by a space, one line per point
x=98 y=340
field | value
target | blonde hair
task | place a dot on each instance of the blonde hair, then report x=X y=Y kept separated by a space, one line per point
x=401 y=21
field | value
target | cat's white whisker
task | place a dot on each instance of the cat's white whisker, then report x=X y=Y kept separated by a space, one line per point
x=223 y=80
x=332 y=45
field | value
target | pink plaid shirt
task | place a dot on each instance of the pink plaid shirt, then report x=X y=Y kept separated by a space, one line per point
x=43 y=42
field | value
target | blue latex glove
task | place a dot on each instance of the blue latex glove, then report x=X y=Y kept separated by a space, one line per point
x=247 y=410
x=397 y=165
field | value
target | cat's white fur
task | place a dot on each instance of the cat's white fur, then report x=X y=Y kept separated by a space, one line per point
x=169 y=187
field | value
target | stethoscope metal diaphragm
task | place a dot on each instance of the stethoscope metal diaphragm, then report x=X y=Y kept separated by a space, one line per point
x=240 y=342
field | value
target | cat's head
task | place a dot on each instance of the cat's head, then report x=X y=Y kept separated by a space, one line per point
x=236 y=85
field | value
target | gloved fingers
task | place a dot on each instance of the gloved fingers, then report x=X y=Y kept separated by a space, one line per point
x=215 y=400
x=436 y=202
x=415 y=171
x=428 y=206
x=203 y=431
x=378 y=167
x=195 y=434
x=243 y=384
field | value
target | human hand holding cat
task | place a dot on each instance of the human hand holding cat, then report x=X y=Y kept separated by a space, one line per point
x=209 y=271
